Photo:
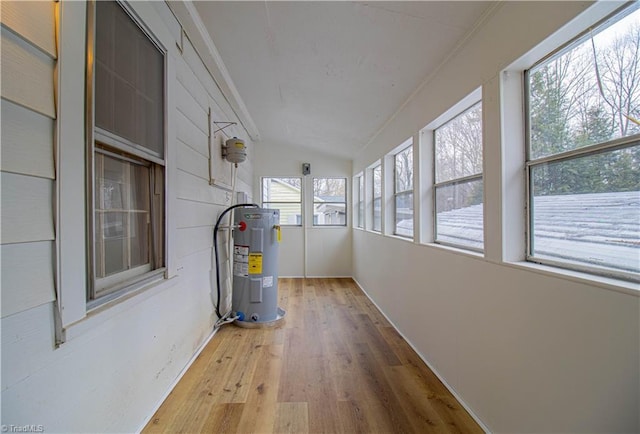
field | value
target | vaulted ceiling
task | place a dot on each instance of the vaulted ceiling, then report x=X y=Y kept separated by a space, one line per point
x=329 y=75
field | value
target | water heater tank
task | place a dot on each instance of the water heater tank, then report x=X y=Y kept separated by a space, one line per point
x=256 y=236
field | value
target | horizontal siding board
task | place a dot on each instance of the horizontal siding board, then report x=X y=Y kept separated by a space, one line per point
x=192 y=240
x=194 y=214
x=34 y=21
x=191 y=109
x=27 y=276
x=27 y=141
x=27 y=75
x=187 y=132
x=192 y=162
x=190 y=82
x=170 y=21
x=27 y=209
x=193 y=188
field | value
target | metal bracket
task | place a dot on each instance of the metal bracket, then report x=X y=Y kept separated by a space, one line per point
x=226 y=124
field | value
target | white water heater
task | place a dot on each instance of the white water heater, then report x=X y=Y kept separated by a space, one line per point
x=256 y=236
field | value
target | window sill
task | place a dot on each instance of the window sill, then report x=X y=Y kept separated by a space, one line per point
x=108 y=310
x=609 y=283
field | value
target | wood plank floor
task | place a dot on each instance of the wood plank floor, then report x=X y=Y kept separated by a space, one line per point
x=335 y=366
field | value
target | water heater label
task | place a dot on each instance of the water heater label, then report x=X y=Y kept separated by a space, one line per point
x=267 y=281
x=240 y=260
x=255 y=263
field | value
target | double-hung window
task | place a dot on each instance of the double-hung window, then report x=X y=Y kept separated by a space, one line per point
x=329 y=202
x=403 y=192
x=360 y=201
x=376 y=209
x=126 y=73
x=284 y=194
x=583 y=151
x=458 y=181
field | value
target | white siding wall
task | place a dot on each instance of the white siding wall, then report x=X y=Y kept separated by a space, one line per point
x=526 y=350
x=118 y=363
x=308 y=251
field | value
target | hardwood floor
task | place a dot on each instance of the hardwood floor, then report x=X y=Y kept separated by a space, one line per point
x=335 y=366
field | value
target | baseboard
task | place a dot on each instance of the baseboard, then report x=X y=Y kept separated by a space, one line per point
x=178 y=378
x=426 y=361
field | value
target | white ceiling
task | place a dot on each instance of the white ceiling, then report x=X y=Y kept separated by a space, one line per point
x=328 y=75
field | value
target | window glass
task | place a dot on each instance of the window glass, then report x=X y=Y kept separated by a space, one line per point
x=329 y=202
x=403 y=192
x=284 y=194
x=377 y=198
x=584 y=152
x=360 y=201
x=459 y=185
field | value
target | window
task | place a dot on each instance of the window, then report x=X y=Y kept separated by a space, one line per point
x=284 y=194
x=583 y=153
x=127 y=154
x=458 y=181
x=329 y=202
x=360 y=200
x=403 y=192
x=376 y=174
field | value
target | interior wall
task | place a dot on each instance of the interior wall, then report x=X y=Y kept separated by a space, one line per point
x=525 y=350
x=118 y=362
x=307 y=250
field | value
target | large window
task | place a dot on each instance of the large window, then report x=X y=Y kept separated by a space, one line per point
x=329 y=202
x=584 y=151
x=458 y=181
x=360 y=201
x=284 y=194
x=403 y=192
x=127 y=151
x=376 y=209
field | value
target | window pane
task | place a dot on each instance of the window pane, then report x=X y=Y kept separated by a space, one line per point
x=284 y=194
x=404 y=170
x=377 y=214
x=329 y=213
x=330 y=205
x=129 y=95
x=329 y=189
x=377 y=181
x=361 y=214
x=122 y=215
x=459 y=214
x=585 y=212
x=458 y=146
x=404 y=215
x=588 y=94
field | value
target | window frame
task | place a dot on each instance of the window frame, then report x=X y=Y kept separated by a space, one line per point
x=454 y=181
x=605 y=147
x=265 y=204
x=374 y=168
x=397 y=194
x=346 y=214
x=97 y=291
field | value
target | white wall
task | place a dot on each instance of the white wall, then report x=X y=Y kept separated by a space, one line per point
x=118 y=362
x=526 y=349
x=307 y=250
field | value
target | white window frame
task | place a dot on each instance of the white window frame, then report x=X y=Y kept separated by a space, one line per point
x=317 y=225
x=454 y=181
x=266 y=204
x=72 y=237
x=359 y=209
x=531 y=163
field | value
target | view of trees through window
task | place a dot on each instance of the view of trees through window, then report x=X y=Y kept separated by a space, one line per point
x=376 y=174
x=329 y=201
x=403 y=184
x=458 y=180
x=584 y=149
